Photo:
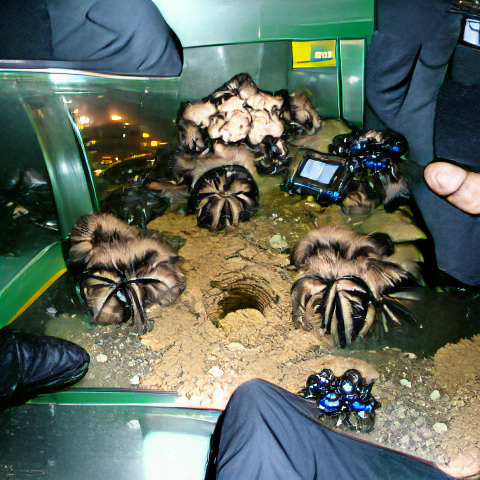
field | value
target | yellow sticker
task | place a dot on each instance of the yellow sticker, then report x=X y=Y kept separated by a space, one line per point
x=314 y=54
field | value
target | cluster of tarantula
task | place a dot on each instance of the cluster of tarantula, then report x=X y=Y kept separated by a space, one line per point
x=121 y=268
x=240 y=111
x=344 y=284
x=348 y=399
x=374 y=155
x=223 y=189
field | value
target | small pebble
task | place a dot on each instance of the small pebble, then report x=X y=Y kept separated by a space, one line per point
x=134 y=424
x=420 y=421
x=51 y=312
x=435 y=395
x=135 y=380
x=101 y=358
x=405 y=383
x=277 y=241
x=440 y=427
x=216 y=372
x=235 y=347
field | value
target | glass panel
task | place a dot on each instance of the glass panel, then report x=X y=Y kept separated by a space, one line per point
x=116 y=442
x=28 y=213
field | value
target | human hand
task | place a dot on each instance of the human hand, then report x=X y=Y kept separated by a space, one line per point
x=459 y=187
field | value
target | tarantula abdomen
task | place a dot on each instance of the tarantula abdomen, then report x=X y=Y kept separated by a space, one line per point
x=224 y=196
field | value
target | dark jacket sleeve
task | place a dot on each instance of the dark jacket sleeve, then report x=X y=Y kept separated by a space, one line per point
x=114 y=36
x=406 y=64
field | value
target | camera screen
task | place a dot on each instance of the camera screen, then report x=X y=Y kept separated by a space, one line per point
x=318 y=171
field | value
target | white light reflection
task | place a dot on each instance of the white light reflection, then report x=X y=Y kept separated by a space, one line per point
x=164 y=455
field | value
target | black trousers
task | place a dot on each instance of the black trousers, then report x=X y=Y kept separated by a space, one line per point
x=406 y=64
x=114 y=36
x=267 y=433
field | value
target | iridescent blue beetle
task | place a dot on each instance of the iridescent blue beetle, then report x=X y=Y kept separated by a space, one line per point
x=319 y=384
x=330 y=403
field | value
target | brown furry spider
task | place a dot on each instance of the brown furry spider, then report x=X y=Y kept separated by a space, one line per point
x=344 y=283
x=224 y=191
x=121 y=268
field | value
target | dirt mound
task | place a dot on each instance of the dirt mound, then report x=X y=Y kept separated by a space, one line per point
x=457 y=370
x=458 y=365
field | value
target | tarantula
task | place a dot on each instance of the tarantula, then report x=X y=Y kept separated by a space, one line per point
x=121 y=268
x=224 y=196
x=224 y=191
x=345 y=279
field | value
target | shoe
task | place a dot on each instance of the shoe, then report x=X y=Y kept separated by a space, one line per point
x=35 y=364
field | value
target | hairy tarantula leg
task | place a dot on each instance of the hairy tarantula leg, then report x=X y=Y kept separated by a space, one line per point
x=305 y=292
x=335 y=331
x=130 y=303
x=330 y=308
x=202 y=203
x=136 y=303
x=391 y=316
x=358 y=293
x=101 y=278
x=344 y=308
x=149 y=281
x=123 y=297
x=359 y=283
x=140 y=309
x=369 y=319
x=396 y=309
x=109 y=297
x=217 y=214
x=143 y=280
x=383 y=317
x=236 y=209
x=249 y=202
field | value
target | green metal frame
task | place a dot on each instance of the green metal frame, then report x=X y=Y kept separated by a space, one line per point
x=221 y=22
x=107 y=396
x=30 y=282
